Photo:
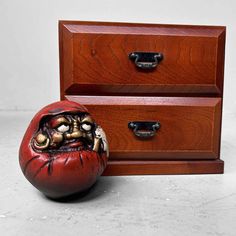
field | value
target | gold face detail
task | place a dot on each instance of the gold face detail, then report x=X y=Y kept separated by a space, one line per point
x=69 y=132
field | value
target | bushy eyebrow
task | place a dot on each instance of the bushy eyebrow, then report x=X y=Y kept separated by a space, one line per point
x=56 y=121
x=87 y=119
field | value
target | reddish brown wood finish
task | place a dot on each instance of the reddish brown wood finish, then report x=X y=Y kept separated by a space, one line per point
x=184 y=92
x=95 y=58
x=164 y=167
x=187 y=126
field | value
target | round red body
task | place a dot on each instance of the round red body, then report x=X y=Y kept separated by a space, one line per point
x=63 y=150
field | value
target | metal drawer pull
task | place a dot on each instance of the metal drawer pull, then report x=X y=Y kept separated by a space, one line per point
x=146 y=60
x=144 y=129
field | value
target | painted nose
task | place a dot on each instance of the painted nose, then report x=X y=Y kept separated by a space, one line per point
x=76 y=133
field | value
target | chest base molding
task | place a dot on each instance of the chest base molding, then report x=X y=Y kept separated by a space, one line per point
x=116 y=168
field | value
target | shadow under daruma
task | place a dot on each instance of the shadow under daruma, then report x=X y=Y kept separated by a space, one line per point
x=99 y=189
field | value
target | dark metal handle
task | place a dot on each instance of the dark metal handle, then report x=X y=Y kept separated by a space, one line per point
x=146 y=60
x=144 y=129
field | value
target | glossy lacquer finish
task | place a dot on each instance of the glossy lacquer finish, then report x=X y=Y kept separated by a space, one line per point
x=63 y=151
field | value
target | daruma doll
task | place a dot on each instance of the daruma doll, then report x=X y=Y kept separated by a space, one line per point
x=63 y=151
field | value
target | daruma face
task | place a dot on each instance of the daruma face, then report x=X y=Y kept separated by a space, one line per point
x=63 y=150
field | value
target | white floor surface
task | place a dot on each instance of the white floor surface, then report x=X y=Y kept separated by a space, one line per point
x=129 y=205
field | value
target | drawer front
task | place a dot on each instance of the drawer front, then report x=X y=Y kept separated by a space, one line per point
x=189 y=127
x=95 y=59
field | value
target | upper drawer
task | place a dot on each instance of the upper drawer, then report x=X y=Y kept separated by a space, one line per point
x=94 y=59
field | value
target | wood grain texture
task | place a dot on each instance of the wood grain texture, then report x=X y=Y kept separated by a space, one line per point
x=164 y=167
x=96 y=54
x=188 y=126
x=184 y=93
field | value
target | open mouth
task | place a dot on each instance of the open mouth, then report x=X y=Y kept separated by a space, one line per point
x=75 y=144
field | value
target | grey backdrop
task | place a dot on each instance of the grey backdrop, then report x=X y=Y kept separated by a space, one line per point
x=29 y=64
x=196 y=205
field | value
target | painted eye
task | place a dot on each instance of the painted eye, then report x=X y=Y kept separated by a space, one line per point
x=63 y=128
x=86 y=127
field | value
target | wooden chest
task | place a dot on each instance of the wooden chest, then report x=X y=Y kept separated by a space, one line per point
x=155 y=89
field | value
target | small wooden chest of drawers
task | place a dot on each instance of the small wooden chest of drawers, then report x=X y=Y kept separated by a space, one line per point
x=155 y=89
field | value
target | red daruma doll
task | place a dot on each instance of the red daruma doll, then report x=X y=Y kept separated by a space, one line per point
x=63 y=151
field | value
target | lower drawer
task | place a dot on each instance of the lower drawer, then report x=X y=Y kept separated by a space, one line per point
x=189 y=127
